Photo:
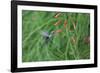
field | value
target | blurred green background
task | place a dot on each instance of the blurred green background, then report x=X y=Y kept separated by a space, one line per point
x=70 y=44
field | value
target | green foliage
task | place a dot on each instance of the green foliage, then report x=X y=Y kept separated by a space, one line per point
x=61 y=46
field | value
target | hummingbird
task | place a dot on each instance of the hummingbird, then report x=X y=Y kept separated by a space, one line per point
x=47 y=36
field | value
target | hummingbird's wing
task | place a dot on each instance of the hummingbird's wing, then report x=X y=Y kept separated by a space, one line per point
x=46 y=34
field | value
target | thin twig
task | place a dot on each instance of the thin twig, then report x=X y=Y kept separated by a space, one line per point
x=57 y=15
